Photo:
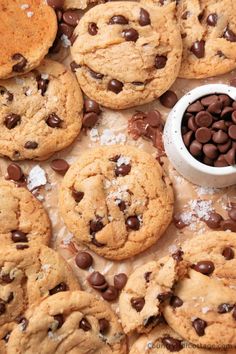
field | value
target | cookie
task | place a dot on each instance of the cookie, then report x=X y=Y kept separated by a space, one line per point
x=206 y=298
x=26 y=277
x=116 y=200
x=80 y=4
x=148 y=287
x=208 y=30
x=40 y=112
x=163 y=340
x=70 y=322
x=23 y=220
x=127 y=53
x=28 y=31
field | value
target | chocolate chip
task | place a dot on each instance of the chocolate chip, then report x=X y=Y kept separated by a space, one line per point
x=22 y=62
x=198 y=49
x=214 y=220
x=130 y=34
x=144 y=17
x=104 y=325
x=32 y=145
x=60 y=320
x=212 y=19
x=234 y=115
x=91 y=106
x=133 y=223
x=220 y=125
x=224 y=308
x=66 y=29
x=220 y=162
x=175 y=301
x=228 y=225
x=138 y=303
x=42 y=84
x=208 y=161
x=97 y=281
x=160 y=61
x=147 y=276
x=77 y=195
x=10 y=297
x=85 y=325
x=92 y=28
x=192 y=124
x=74 y=66
x=83 y=260
x=2 y=307
x=178 y=221
x=205 y=267
x=14 y=172
x=154 y=321
x=123 y=170
x=72 y=17
x=90 y=119
x=95 y=75
x=12 y=120
x=153 y=118
x=203 y=135
x=187 y=138
x=211 y=151
x=60 y=166
x=168 y=99
x=232 y=132
x=172 y=344
x=208 y=100
x=225 y=100
x=18 y=236
x=58 y=288
x=95 y=225
x=118 y=20
x=199 y=325
x=228 y=253
x=178 y=255
x=195 y=148
x=53 y=120
x=203 y=119
x=21 y=247
x=223 y=148
x=195 y=107
x=220 y=137
x=120 y=280
x=232 y=214
x=226 y=112
x=122 y=205
x=230 y=157
x=229 y=35
x=164 y=296
x=115 y=86
x=56 y=4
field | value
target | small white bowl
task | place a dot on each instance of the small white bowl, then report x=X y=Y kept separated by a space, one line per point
x=193 y=170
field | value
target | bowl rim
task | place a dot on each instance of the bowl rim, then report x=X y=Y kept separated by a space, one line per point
x=176 y=115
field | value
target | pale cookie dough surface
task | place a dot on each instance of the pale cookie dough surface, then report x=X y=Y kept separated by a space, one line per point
x=79 y=331
x=23 y=219
x=40 y=112
x=80 y=4
x=214 y=23
x=28 y=276
x=116 y=200
x=147 y=288
x=132 y=63
x=28 y=30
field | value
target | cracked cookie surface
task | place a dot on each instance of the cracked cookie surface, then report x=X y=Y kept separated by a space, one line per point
x=71 y=322
x=26 y=277
x=208 y=29
x=127 y=53
x=116 y=200
x=40 y=112
x=28 y=31
x=23 y=220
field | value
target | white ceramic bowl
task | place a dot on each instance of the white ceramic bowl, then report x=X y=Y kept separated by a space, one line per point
x=193 y=170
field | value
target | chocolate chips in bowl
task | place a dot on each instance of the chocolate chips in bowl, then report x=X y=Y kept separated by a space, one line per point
x=200 y=135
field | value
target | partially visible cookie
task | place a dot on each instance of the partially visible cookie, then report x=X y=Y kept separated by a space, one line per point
x=70 y=322
x=208 y=30
x=127 y=53
x=23 y=220
x=80 y=4
x=26 y=277
x=40 y=112
x=148 y=287
x=28 y=30
x=116 y=200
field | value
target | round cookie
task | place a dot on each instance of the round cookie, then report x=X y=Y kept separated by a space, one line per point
x=207 y=296
x=208 y=30
x=26 y=277
x=40 y=112
x=163 y=340
x=116 y=200
x=23 y=220
x=80 y=4
x=28 y=31
x=127 y=53
x=147 y=288
x=70 y=322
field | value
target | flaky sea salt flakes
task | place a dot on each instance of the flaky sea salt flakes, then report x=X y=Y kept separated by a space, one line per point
x=206 y=190
x=24 y=6
x=123 y=160
x=36 y=178
x=109 y=138
x=201 y=208
x=94 y=135
x=65 y=41
x=149 y=345
x=45 y=267
x=205 y=309
x=29 y=13
x=28 y=92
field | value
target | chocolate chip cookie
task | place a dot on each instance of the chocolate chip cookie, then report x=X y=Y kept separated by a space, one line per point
x=23 y=220
x=26 y=277
x=80 y=4
x=127 y=53
x=208 y=30
x=70 y=322
x=40 y=112
x=147 y=289
x=116 y=200
x=27 y=32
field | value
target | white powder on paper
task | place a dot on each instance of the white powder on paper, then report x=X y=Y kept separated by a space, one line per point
x=206 y=190
x=36 y=178
x=107 y=137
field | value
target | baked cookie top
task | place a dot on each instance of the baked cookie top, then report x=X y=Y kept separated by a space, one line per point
x=116 y=200
x=208 y=29
x=127 y=53
x=23 y=220
x=40 y=112
x=26 y=277
x=28 y=30
x=70 y=322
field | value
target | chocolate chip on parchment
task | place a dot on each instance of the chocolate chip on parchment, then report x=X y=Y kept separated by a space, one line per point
x=97 y=281
x=172 y=344
x=228 y=253
x=138 y=303
x=90 y=119
x=198 y=49
x=199 y=325
x=204 y=267
x=12 y=120
x=110 y=294
x=130 y=34
x=60 y=166
x=53 y=120
x=118 y=20
x=14 y=172
x=92 y=28
x=83 y=260
x=104 y=325
x=120 y=280
x=133 y=223
x=22 y=62
x=228 y=225
x=144 y=17
x=91 y=106
x=214 y=220
x=18 y=236
x=115 y=86
x=168 y=99
x=58 y=288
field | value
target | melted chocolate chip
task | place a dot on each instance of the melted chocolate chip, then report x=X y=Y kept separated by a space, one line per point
x=24 y=323
x=228 y=253
x=144 y=17
x=53 y=120
x=31 y=145
x=204 y=267
x=95 y=226
x=92 y=28
x=178 y=255
x=18 y=236
x=138 y=303
x=74 y=66
x=130 y=34
x=21 y=247
x=77 y=195
x=58 y=288
x=198 y=49
x=160 y=61
x=172 y=344
x=133 y=223
x=199 y=325
x=123 y=170
x=175 y=301
x=22 y=62
x=147 y=276
x=85 y=325
x=2 y=307
x=118 y=20
x=212 y=19
x=120 y=280
x=104 y=325
x=4 y=92
x=6 y=278
x=164 y=296
x=12 y=120
x=115 y=86
x=229 y=35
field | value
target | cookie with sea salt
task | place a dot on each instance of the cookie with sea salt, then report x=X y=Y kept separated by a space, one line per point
x=116 y=200
x=127 y=53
